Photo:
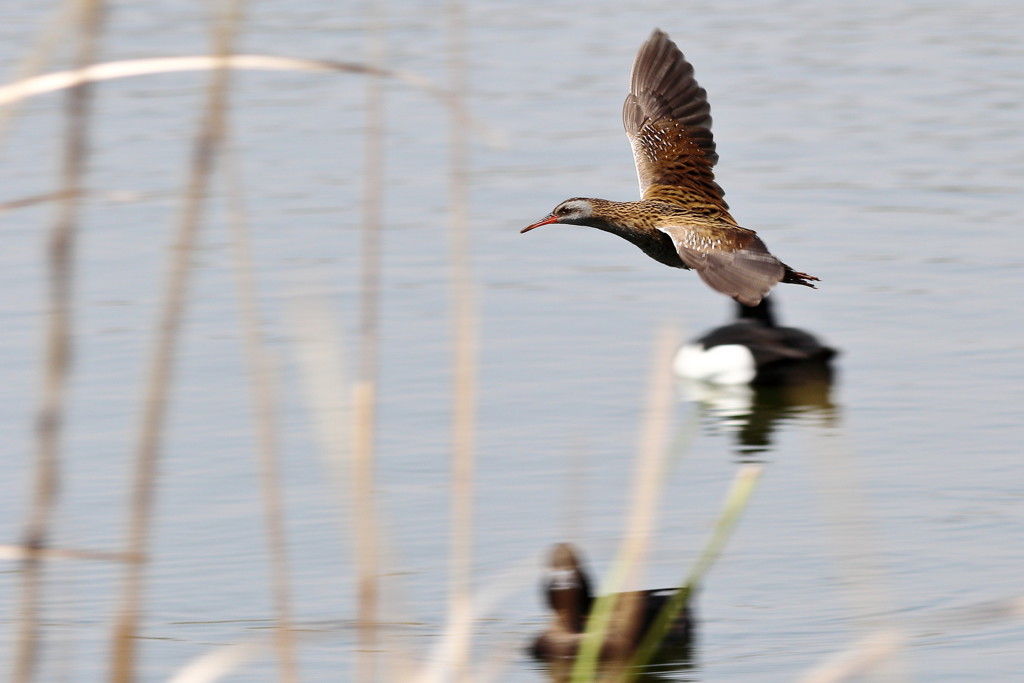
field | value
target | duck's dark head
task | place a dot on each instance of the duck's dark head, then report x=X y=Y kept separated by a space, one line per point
x=763 y=312
x=576 y=211
x=567 y=588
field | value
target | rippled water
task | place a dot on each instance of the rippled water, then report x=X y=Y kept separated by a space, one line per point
x=877 y=145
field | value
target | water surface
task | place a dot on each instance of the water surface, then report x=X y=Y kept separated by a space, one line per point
x=877 y=146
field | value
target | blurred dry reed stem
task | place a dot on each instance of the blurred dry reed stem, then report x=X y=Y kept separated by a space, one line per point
x=161 y=367
x=873 y=651
x=839 y=485
x=464 y=331
x=57 y=360
x=321 y=371
x=317 y=346
x=364 y=398
x=870 y=653
x=15 y=204
x=217 y=664
x=41 y=52
x=38 y=85
x=490 y=592
x=264 y=398
x=575 y=502
x=20 y=552
x=646 y=493
x=154 y=405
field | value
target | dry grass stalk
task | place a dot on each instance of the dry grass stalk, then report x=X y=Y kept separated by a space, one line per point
x=317 y=345
x=218 y=663
x=839 y=485
x=872 y=651
x=207 y=143
x=646 y=492
x=876 y=649
x=262 y=393
x=57 y=359
x=39 y=85
x=23 y=202
x=574 y=506
x=20 y=552
x=365 y=389
x=53 y=34
x=465 y=344
x=490 y=592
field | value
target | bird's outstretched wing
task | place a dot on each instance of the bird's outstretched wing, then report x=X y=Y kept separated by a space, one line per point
x=733 y=261
x=668 y=122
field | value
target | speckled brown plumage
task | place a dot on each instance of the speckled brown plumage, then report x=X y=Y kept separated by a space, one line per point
x=682 y=219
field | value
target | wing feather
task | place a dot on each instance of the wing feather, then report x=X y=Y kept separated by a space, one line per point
x=668 y=121
x=738 y=265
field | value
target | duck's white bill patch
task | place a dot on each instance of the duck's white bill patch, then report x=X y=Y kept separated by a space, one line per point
x=725 y=364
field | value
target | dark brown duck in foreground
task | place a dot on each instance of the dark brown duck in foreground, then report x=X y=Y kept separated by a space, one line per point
x=681 y=219
x=568 y=592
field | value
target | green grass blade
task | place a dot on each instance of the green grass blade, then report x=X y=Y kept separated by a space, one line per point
x=735 y=502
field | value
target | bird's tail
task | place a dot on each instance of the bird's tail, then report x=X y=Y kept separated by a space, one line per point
x=794 y=278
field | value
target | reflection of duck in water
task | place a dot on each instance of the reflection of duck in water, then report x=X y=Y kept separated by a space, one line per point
x=752 y=374
x=567 y=590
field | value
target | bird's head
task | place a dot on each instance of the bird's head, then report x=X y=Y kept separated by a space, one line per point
x=567 y=588
x=576 y=211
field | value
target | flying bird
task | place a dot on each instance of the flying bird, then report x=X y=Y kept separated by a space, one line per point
x=682 y=219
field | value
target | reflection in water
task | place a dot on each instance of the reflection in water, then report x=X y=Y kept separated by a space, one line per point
x=567 y=590
x=673 y=663
x=753 y=413
x=751 y=375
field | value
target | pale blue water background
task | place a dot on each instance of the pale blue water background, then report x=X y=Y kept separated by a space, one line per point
x=877 y=145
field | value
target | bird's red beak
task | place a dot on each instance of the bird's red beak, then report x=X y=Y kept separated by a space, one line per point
x=547 y=220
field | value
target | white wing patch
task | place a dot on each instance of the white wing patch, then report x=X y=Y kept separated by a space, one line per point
x=691 y=240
